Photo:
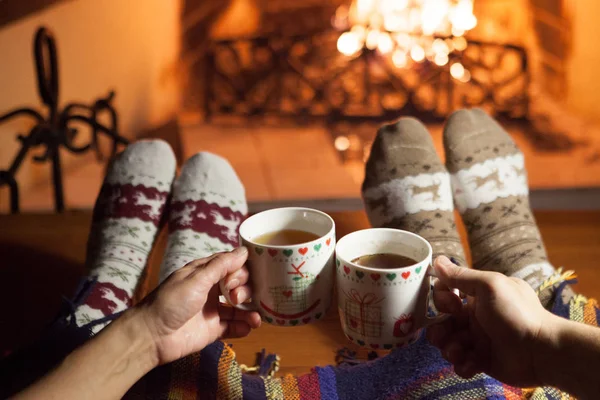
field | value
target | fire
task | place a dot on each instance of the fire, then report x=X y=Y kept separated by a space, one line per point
x=407 y=29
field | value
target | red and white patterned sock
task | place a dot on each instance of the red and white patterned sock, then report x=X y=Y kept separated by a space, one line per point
x=208 y=205
x=125 y=222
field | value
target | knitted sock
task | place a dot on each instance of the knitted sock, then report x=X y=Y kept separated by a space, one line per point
x=407 y=187
x=208 y=205
x=490 y=191
x=125 y=221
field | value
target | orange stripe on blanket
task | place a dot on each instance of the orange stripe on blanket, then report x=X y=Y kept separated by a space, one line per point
x=589 y=312
x=512 y=393
x=183 y=379
x=290 y=388
x=229 y=376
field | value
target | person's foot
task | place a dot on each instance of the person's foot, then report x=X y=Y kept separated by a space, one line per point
x=407 y=187
x=490 y=190
x=125 y=222
x=208 y=206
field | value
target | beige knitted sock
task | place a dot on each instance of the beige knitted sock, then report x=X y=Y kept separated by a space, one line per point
x=407 y=187
x=490 y=191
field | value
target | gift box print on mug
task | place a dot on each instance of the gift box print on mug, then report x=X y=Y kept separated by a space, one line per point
x=363 y=314
x=383 y=282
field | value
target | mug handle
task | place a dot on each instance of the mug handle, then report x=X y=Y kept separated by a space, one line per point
x=242 y=306
x=441 y=316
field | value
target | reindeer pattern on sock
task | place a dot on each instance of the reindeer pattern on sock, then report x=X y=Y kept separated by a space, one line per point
x=433 y=189
x=155 y=204
x=230 y=225
x=493 y=177
x=184 y=216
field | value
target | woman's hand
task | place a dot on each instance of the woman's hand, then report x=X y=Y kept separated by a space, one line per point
x=497 y=332
x=183 y=315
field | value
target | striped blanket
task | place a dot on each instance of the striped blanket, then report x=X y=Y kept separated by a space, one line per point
x=414 y=372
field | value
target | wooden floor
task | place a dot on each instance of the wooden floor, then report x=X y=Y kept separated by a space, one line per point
x=42 y=259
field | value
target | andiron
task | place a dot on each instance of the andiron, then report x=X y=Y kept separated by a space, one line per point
x=55 y=129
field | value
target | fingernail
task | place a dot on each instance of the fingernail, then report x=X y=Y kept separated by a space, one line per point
x=240 y=296
x=232 y=284
x=240 y=251
x=444 y=261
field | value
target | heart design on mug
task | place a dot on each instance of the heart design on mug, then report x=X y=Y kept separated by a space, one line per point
x=390 y=277
x=303 y=250
x=294 y=322
x=269 y=320
x=403 y=325
x=346 y=270
x=353 y=323
x=337 y=261
x=360 y=274
x=280 y=321
x=288 y=252
x=375 y=277
x=287 y=293
x=418 y=270
x=374 y=346
x=405 y=275
x=306 y=320
x=259 y=250
x=328 y=242
x=317 y=247
x=272 y=252
x=360 y=342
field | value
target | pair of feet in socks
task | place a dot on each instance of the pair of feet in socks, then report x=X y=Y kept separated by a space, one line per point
x=406 y=187
x=204 y=206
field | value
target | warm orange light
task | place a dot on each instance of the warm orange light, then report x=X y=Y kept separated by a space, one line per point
x=457 y=70
x=372 y=39
x=417 y=53
x=466 y=77
x=388 y=25
x=459 y=43
x=342 y=143
x=441 y=59
x=399 y=59
x=385 y=43
x=348 y=44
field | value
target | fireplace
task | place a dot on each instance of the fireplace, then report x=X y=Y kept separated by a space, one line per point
x=275 y=64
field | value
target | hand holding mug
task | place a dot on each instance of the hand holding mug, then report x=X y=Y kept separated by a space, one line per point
x=496 y=331
x=183 y=314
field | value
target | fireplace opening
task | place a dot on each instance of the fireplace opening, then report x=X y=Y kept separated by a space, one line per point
x=343 y=68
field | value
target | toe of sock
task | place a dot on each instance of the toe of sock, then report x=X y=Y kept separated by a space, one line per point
x=210 y=173
x=471 y=136
x=403 y=148
x=152 y=159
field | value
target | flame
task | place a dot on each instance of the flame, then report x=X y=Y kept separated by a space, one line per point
x=408 y=29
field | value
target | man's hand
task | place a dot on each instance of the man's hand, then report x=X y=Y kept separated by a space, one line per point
x=183 y=315
x=497 y=332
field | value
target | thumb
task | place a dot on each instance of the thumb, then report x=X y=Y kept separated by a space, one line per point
x=464 y=279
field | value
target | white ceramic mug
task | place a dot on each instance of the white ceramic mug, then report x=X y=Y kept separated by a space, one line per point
x=384 y=308
x=291 y=284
